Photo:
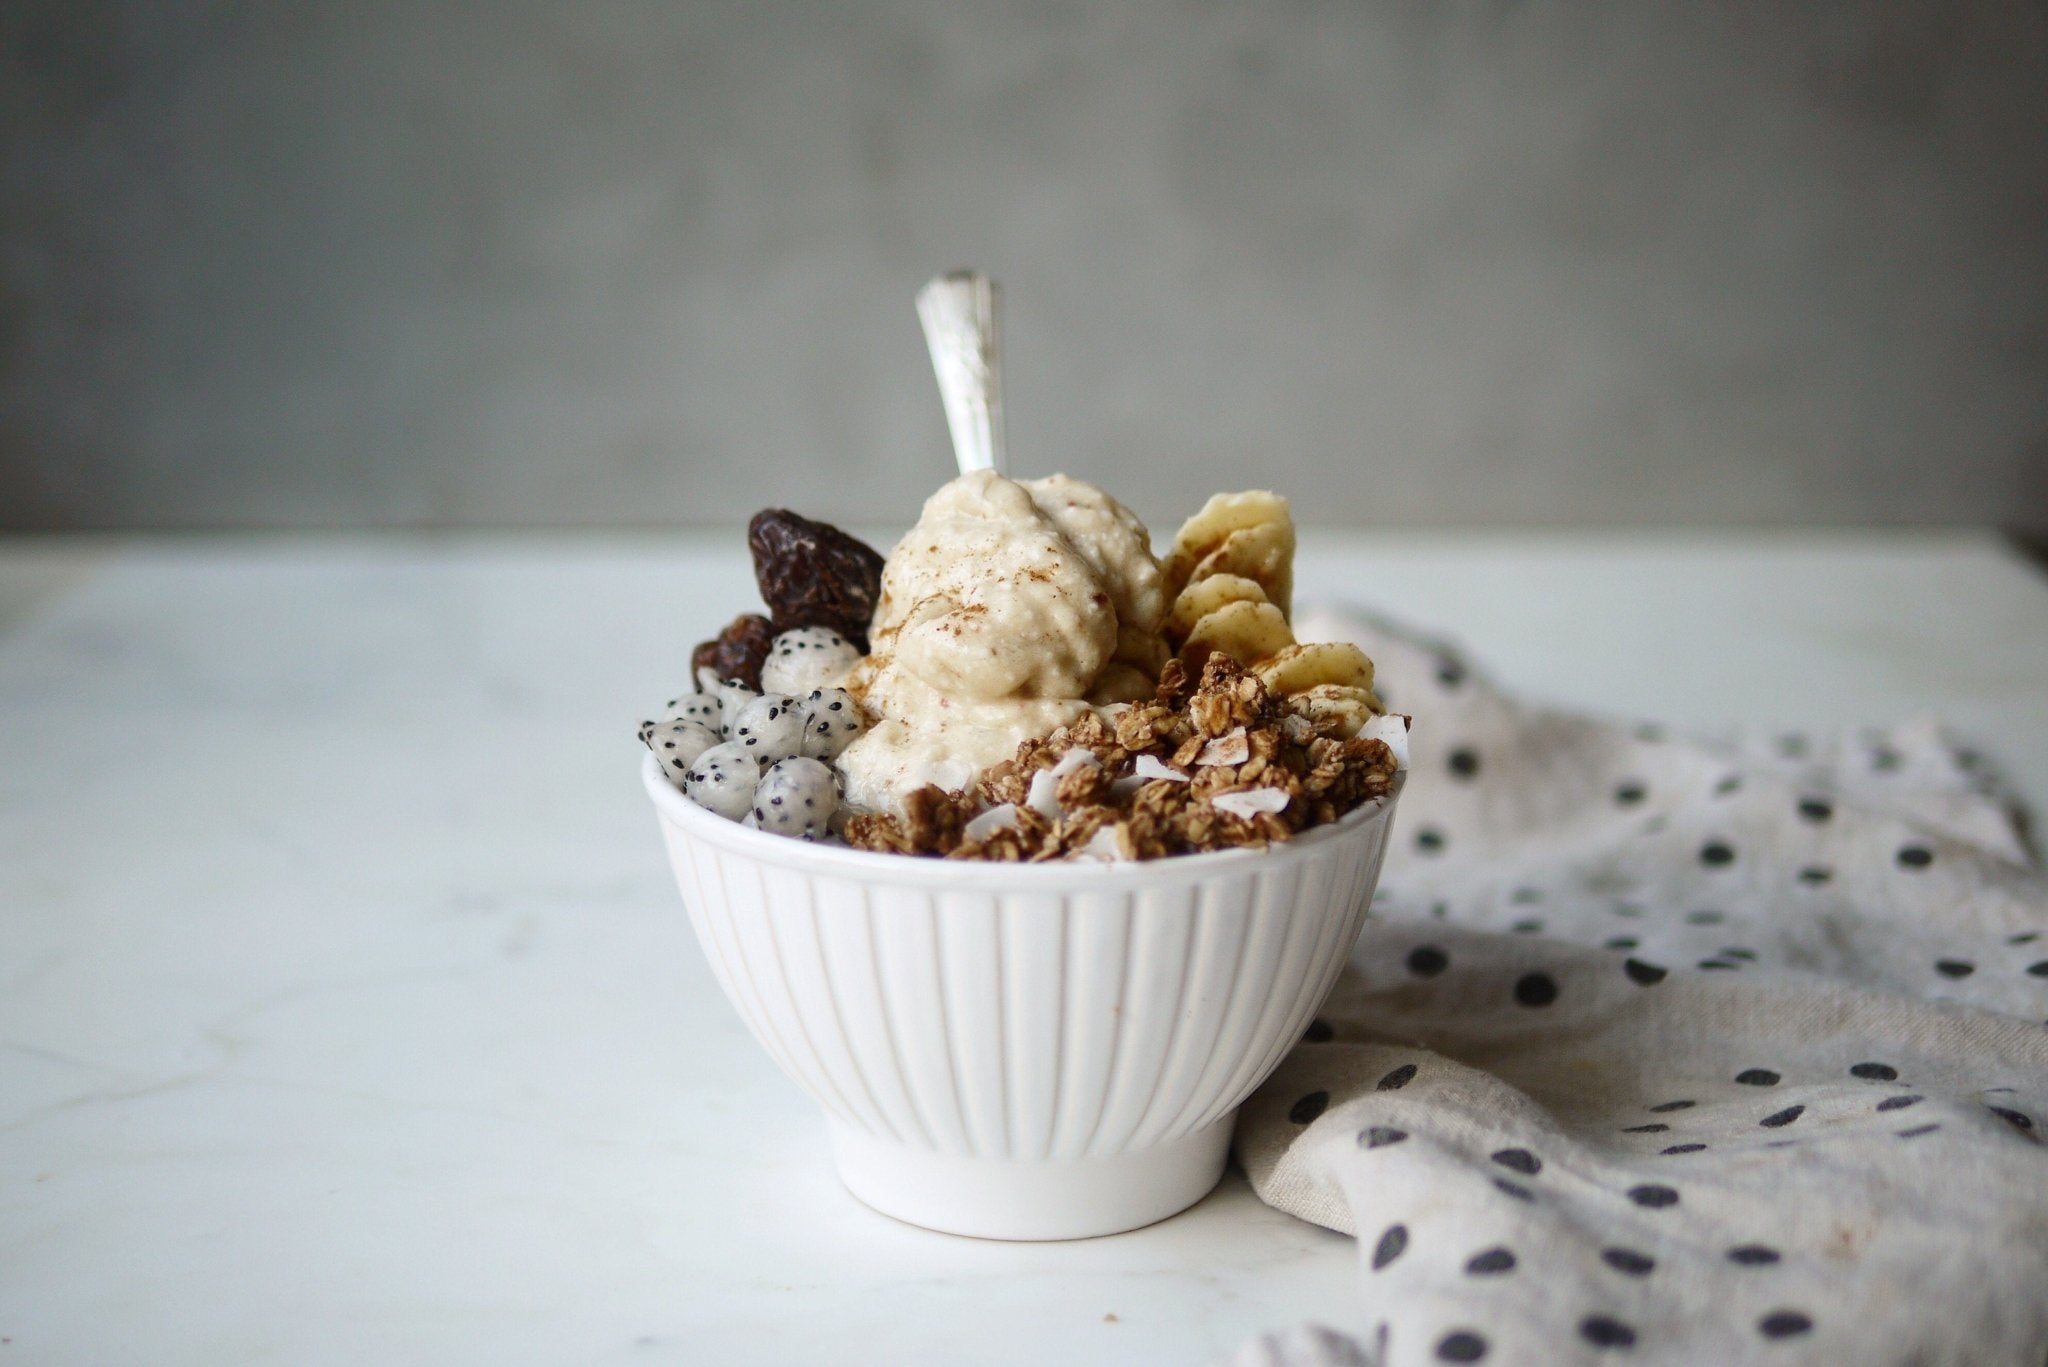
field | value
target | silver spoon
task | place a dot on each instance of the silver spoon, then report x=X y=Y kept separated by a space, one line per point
x=958 y=310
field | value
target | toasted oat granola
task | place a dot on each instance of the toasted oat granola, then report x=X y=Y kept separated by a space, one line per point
x=1211 y=764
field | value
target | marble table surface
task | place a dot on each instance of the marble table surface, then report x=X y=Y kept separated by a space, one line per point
x=348 y=1013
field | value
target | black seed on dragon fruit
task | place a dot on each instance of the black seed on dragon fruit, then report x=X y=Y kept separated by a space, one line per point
x=771 y=727
x=832 y=719
x=723 y=780
x=796 y=797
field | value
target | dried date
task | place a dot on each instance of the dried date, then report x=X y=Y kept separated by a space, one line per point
x=737 y=652
x=814 y=575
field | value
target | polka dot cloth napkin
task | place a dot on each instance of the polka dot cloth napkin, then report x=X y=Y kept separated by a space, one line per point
x=1676 y=1051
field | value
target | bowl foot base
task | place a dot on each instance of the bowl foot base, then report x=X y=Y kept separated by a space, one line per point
x=1051 y=1198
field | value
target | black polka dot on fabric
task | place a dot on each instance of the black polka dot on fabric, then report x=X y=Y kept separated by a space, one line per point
x=2013 y=1118
x=1915 y=857
x=1784 y=1324
x=1684 y=1148
x=1875 y=1072
x=1463 y=1346
x=1650 y=1196
x=2025 y=937
x=1665 y=1107
x=1898 y=1103
x=1319 y=1032
x=1705 y=918
x=1629 y=794
x=1779 y=1119
x=1393 y=1243
x=1654 y=1127
x=1426 y=961
x=1646 y=974
x=1815 y=875
x=1813 y=809
x=1308 y=1108
x=1536 y=989
x=1463 y=762
x=1629 y=1261
x=1623 y=942
x=2039 y=970
x=1954 y=968
x=1738 y=952
x=1522 y=1161
x=1514 y=1189
x=1523 y=896
x=1429 y=840
x=1379 y=1136
x=1527 y=927
x=1492 y=1262
x=1396 y=1080
x=1712 y=964
x=1602 y=1332
x=1919 y=1130
x=1753 y=1255
x=1449 y=672
x=1757 y=1077
x=1717 y=854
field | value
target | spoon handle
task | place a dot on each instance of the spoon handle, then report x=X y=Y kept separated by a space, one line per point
x=958 y=311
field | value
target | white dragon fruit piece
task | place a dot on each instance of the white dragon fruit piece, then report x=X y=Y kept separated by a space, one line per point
x=723 y=780
x=733 y=696
x=832 y=719
x=796 y=797
x=807 y=658
x=677 y=742
x=698 y=707
x=771 y=727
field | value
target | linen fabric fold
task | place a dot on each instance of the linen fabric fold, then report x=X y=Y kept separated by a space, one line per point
x=1659 y=1049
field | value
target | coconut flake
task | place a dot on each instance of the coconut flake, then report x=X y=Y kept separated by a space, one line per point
x=1001 y=818
x=1392 y=728
x=1232 y=748
x=1102 y=847
x=1043 y=797
x=1151 y=767
x=1250 y=803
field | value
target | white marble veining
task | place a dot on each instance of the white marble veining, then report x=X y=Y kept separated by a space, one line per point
x=348 y=1012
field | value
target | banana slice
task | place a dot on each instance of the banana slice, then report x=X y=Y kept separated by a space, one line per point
x=1220 y=518
x=1299 y=668
x=1337 y=709
x=1243 y=630
x=1264 y=554
x=1204 y=596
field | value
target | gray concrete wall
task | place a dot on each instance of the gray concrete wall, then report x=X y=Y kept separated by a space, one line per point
x=634 y=262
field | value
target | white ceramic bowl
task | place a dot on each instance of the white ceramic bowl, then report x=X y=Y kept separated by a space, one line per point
x=1046 y=1051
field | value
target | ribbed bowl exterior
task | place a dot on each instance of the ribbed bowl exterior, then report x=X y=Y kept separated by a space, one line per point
x=1024 y=1013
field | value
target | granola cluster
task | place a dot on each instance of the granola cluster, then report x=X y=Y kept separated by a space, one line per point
x=1210 y=763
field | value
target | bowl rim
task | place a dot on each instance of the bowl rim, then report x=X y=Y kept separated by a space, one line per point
x=875 y=866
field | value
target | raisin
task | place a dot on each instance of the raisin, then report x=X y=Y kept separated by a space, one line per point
x=814 y=575
x=738 y=651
